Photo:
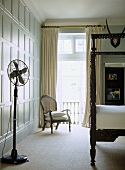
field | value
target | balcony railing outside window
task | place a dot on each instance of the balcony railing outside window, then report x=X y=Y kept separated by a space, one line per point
x=77 y=110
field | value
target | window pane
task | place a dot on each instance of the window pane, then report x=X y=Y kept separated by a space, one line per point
x=79 y=45
x=65 y=46
x=60 y=46
x=70 y=68
x=71 y=80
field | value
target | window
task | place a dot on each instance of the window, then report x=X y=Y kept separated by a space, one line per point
x=71 y=81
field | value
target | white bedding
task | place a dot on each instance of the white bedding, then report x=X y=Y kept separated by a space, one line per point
x=110 y=117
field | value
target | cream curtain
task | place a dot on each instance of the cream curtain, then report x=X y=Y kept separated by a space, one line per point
x=49 y=61
x=90 y=31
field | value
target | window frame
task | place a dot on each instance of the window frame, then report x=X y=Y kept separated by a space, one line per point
x=74 y=56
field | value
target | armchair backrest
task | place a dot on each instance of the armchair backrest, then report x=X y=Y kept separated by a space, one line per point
x=48 y=103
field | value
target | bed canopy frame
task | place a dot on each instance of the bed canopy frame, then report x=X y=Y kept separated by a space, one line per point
x=105 y=135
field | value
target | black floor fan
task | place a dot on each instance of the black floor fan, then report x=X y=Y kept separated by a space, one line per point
x=18 y=74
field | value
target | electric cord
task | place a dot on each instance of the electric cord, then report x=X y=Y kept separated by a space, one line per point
x=6 y=137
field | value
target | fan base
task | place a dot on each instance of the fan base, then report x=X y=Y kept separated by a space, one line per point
x=9 y=160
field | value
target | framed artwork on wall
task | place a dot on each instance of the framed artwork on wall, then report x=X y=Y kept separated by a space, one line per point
x=112 y=76
x=113 y=93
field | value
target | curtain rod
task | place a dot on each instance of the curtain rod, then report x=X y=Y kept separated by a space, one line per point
x=73 y=26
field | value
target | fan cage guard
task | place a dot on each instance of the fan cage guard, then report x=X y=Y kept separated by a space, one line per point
x=12 y=68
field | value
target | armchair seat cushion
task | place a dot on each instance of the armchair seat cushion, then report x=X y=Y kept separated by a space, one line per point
x=56 y=114
x=58 y=118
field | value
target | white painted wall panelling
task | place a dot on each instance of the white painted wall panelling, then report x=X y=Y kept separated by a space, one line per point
x=19 y=38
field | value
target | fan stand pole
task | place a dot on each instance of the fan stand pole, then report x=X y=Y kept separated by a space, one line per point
x=14 y=158
x=14 y=151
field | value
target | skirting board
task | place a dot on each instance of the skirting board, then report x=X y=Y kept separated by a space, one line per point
x=20 y=135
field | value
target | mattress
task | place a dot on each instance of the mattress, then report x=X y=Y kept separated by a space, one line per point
x=110 y=117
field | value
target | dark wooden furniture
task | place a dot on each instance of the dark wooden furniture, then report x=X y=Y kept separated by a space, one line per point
x=51 y=115
x=96 y=134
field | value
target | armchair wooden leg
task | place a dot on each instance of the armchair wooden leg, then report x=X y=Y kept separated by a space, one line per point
x=69 y=127
x=51 y=128
x=57 y=126
x=43 y=126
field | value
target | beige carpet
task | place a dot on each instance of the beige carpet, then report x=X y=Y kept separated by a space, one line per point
x=65 y=150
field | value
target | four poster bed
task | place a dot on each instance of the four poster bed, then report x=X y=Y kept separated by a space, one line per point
x=107 y=121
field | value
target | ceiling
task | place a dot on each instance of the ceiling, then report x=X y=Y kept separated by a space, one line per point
x=78 y=10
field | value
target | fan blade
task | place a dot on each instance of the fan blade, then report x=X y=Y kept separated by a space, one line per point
x=21 y=79
x=24 y=70
x=13 y=74
x=16 y=65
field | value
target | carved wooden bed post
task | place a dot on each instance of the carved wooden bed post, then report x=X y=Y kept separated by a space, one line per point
x=92 y=104
x=96 y=135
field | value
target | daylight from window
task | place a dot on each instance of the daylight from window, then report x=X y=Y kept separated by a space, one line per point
x=71 y=80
